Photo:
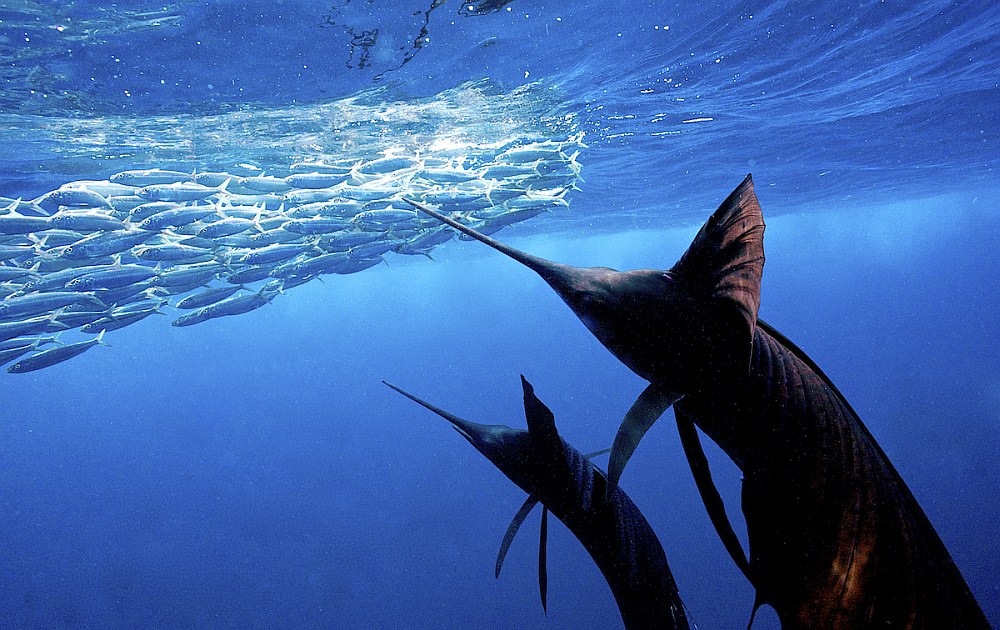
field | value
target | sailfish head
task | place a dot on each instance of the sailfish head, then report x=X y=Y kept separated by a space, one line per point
x=679 y=327
x=528 y=458
x=535 y=460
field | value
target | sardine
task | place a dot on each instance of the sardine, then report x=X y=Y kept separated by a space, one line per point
x=53 y=356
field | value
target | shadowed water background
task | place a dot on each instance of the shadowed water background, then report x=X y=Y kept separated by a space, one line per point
x=253 y=472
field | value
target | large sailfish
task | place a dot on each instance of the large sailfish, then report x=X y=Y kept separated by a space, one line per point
x=836 y=539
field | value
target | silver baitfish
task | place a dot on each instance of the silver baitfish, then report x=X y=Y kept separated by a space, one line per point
x=180 y=191
x=102 y=187
x=315 y=180
x=265 y=184
x=120 y=318
x=226 y=227
x=9 y=273
x=324 y=263
x=22 y=341
x=208 y=296
x=56 y=280
x=172 y=252
x=344 y=240
x=28 y=326
x=317 y=166
x=9 y=354
x=376 y=219
x=208 y=178
x=86 y=222
x=389 y=164
x=78 y=197
x=316 y=225
x=10 y=252
x=354 y=265
x=116 y=278
x=304 y=196
x=53 y=356
x=105 y=244
x=250 y=274
x=149 y=208
x=377 y=248
x=24 y=306
x=275 y=253
x=190 y=274
x=273 y=237
x=21 y=224
x=150 y=177
x=232 y=306
x=176 y=217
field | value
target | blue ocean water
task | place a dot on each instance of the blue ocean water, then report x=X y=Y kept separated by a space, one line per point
x=253 y=472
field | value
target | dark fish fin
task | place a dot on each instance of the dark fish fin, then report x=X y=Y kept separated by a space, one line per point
x=647 y=408
x=541 y=422
x=709 y=493
x=805 y=358
x=726 y=259
x=543 y=572
x=526 y=507
x=758 y=601
x=597 y=453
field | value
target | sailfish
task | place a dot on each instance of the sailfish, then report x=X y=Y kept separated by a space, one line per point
x=604 y=519
x=836 y=538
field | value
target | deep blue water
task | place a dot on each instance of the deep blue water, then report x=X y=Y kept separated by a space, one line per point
x=253 y=471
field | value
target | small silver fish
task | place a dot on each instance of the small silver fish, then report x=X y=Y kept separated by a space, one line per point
x=53 y=356
x=180 y=191
x=150 y=177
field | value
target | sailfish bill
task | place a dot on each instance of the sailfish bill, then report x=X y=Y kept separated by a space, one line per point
x=573 y=285
x=836 y=538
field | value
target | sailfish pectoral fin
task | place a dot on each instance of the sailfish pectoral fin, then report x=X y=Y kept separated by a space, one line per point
x=522 y=514
x=543 y=572
x=713 y=502
x=709 y=493
x=526 y=508
x=648 y=407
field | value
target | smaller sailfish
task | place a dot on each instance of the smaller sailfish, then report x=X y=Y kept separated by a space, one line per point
x=605 y=520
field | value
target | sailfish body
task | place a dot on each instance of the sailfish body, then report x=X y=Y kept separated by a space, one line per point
x=607 y=523
x=837 y=540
